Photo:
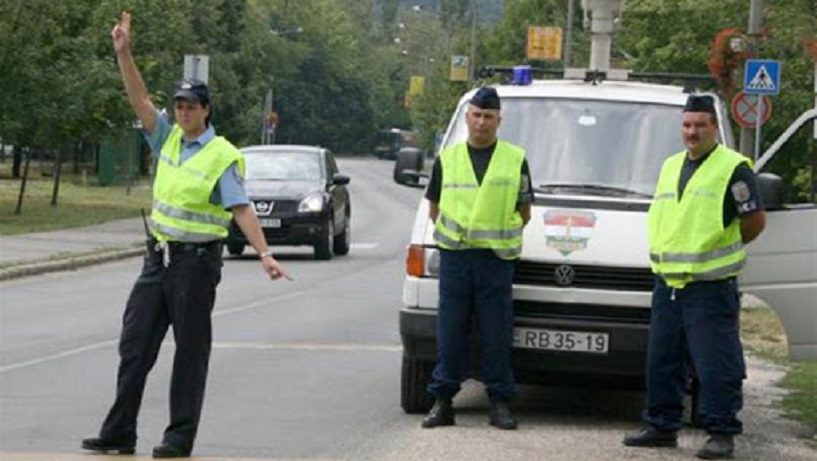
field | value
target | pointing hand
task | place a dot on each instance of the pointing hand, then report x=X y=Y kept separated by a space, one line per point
x=121 y=33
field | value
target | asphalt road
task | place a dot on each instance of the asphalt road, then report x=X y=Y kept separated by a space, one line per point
x=307 y=369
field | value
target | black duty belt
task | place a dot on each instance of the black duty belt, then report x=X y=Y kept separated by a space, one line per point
x=183 y=247
x=168 y=249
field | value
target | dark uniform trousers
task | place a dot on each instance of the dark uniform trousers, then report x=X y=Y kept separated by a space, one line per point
x=697 y=324
x=474 y=283
x=181 y=294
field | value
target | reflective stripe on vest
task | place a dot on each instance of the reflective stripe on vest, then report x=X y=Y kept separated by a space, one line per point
x=481 y=216
x=181 y=192
x=688 y=241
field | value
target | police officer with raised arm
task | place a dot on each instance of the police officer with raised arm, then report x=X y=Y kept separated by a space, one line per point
x=197 y=190
x=480 y=199
x=706 y=208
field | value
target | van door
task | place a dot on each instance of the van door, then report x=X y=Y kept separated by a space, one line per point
x=782 y=262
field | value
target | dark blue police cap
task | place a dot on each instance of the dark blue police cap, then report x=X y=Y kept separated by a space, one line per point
x=700 y=103
x=193 y=90
x=486 y=98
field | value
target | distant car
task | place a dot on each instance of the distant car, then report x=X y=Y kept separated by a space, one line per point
x=300 y=199
x=390 y=141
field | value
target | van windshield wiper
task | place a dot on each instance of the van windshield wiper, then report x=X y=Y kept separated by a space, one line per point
x=595 y=189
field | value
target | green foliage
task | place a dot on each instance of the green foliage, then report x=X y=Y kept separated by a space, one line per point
x=60 y=82
x=676 y=36
x=334 y=69
x=801 y=402
x=507 y=45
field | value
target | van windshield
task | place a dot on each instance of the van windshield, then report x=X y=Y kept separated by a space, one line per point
x=589 y=146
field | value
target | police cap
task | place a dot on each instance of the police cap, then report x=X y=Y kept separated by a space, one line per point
x=486 y=98
x=193 y=90
x=700 y=103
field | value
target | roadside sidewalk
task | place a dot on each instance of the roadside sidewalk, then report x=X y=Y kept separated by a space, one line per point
x=36 y=253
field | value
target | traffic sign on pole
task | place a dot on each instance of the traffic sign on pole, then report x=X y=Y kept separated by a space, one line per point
x=745 y=110
x=762 y=77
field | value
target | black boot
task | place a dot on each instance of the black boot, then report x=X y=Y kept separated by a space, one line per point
x=652 y=437
x=718 y=446
x=501 y=416
x=102 y=445
x=166 y=450
x=441 y=414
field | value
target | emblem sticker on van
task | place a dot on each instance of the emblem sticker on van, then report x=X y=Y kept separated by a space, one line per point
x=567 y=231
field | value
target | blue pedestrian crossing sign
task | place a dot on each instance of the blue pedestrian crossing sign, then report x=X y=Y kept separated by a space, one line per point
x=762 y=77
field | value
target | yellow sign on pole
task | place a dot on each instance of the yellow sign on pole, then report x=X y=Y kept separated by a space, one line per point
x=544 y=43
x=459 y=68
x=417 y=85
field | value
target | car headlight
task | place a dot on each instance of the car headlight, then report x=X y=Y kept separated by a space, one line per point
x=312 y=203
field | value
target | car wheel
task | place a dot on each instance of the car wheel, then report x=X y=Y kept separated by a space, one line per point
x=414 y=377
x=343 y=240
x=235 y=249
x=323 y=249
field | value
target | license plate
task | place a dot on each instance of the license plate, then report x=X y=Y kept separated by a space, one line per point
x=269 y=222
x=560 y=340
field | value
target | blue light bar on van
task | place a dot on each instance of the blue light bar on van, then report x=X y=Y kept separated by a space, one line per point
x=522 y=75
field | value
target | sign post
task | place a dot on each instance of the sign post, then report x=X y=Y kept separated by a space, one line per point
x=197 y=66
x=762 y=77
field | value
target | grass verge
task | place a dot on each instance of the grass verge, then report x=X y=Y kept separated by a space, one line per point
x=77 y=205
x=763 y=335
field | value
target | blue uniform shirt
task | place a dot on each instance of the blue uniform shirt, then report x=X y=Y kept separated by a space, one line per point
x=229 y=190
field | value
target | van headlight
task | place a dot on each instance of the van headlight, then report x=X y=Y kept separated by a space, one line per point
x=311 y=203
x=422 y=261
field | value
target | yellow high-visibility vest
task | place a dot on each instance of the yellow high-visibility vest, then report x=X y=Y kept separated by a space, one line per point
x=474 y=215
x=687 y=238
x=181 y=191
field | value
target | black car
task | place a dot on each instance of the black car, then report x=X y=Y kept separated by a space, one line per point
x=300 y=199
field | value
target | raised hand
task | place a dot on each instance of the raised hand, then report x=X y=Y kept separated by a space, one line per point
x=121 y=33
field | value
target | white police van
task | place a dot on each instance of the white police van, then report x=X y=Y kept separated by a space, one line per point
x=583 y=285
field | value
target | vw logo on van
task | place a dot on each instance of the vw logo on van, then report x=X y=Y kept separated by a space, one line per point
x=564 y=275
x=263 y=207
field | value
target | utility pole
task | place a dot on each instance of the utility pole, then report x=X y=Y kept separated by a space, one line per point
x=472 y=59
x=571 y=4
x=747 y=139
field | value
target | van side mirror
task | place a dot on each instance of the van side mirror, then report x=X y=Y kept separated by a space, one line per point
x=408 y=167
x=770 y=187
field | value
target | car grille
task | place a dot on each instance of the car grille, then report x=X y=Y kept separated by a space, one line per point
x=579 y=276
x=278 y=206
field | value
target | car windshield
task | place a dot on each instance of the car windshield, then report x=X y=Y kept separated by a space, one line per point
x=589 y=146
x=283 y=165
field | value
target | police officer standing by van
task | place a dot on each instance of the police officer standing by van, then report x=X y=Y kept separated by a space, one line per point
x=197 y=189
x=480 y=199
x=706 y=207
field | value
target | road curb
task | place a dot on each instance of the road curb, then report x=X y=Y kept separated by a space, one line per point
x=68 y=263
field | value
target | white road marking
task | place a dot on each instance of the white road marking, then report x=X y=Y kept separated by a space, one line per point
x=56 y=356
x=112 y=342
x=364 y=246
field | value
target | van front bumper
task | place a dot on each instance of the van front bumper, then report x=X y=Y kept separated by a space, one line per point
x=623 y=366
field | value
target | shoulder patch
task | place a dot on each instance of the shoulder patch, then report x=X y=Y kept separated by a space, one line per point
x=740 y=191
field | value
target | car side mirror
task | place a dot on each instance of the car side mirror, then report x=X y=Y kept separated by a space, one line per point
x=340 y=180
x=770 y=187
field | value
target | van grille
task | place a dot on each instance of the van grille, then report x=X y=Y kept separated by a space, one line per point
x=578 y=276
